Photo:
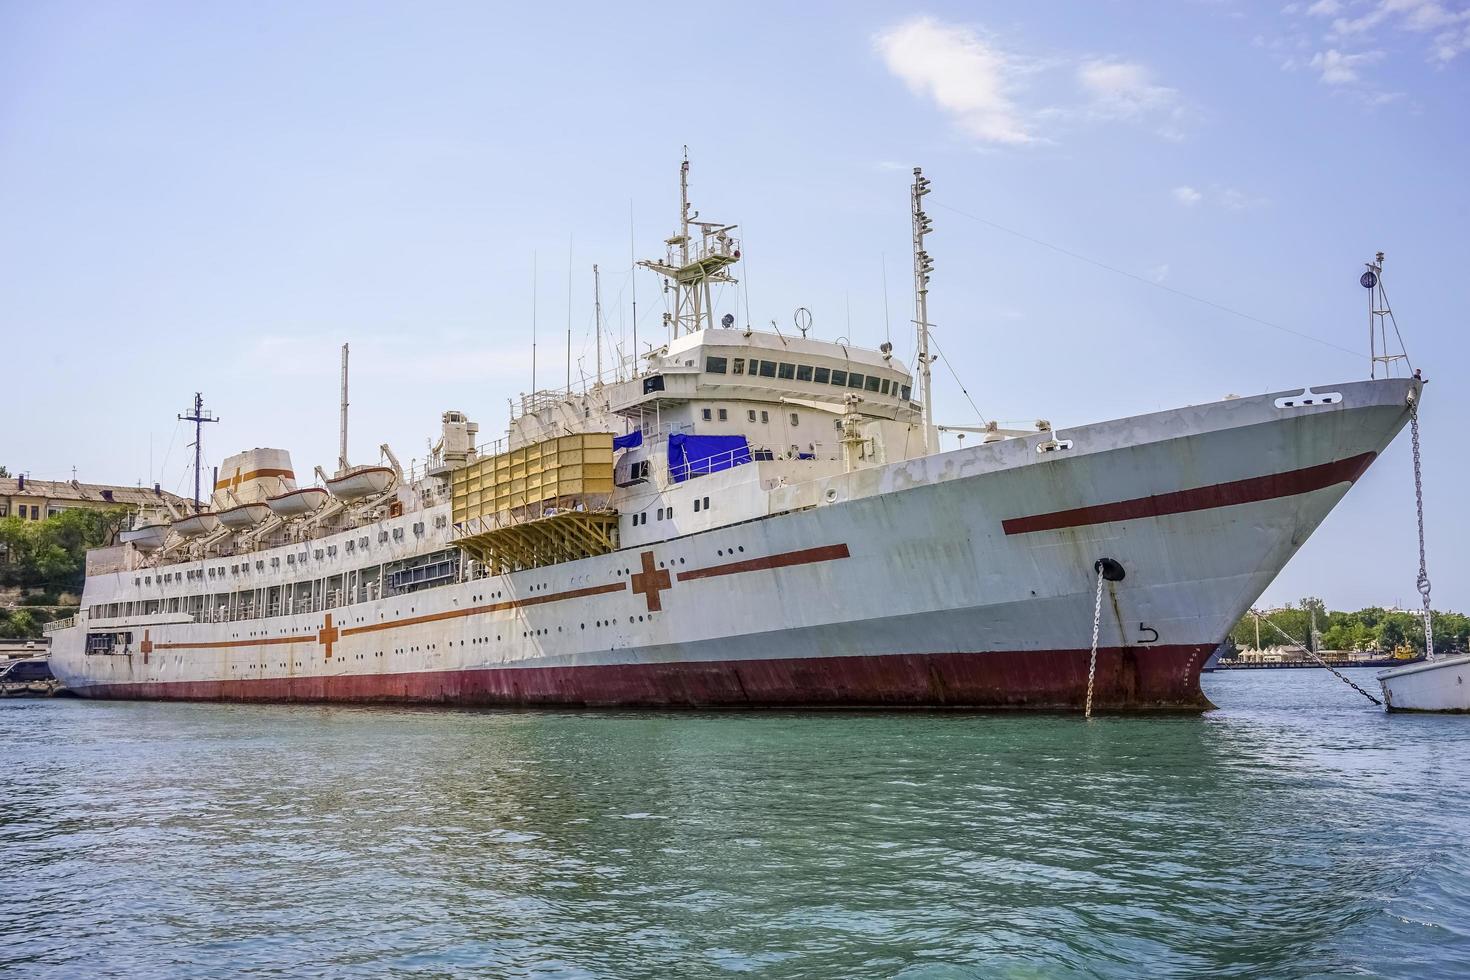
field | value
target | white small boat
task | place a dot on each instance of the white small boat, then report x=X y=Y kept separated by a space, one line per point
x=360 y=481
x=1429 y=685
x=297 y=503
x=196 y=524
x=145 y=537
x=245 y=515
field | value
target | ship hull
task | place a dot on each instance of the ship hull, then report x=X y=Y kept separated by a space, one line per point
x=964 y=579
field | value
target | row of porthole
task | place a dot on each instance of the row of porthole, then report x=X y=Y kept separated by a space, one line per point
x=722 y=552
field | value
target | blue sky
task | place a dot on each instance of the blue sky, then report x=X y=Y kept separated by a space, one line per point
x=217 y=196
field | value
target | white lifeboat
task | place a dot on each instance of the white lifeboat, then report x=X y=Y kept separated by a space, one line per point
x=360 y=481
x=145 y=537
x=297 y=503
x=1429 y=685
x=243 y=516
x=196 y=524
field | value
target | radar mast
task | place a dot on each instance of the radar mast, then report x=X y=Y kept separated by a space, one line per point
x=691 y=266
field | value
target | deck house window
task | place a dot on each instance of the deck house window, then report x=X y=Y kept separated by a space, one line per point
x=885 y=386
x=839 y=379
x=750 y=415
x=765 y=416
x=854 y=380
x=872 y=383
x=822 y=375
x=706 y=414
x=738 y=367
x=803 y=372
x=906 y=391
x=768 y=369
x=785 y=371
x=724 y=415
x=714 y=365
x=795 y=420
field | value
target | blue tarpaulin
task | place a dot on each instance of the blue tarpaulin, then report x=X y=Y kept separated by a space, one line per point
x=691 y=455
x=632 y=440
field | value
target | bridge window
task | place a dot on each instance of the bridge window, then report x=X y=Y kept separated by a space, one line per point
x=785 y=371
x=768 y=369
x=885 y=386
x=803 y=372
x=872 y=383
x=738 y=367
x=839 y=378
x=822 y=375
x=906 y=392
x=854 y=380
x=714 y=365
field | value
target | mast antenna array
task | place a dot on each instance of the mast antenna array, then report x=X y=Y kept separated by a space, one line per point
x=923 y=265
x=691 y=266
x=198 y=415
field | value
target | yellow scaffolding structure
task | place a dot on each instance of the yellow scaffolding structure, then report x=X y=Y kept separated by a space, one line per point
x=539 y=504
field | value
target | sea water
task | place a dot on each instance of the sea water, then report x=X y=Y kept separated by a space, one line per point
x=1297 y=831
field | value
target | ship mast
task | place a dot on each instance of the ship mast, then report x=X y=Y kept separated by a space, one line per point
x=198 y=416
x=342 y=444
x=923 y=265
x=1380 y=318
x=690 y=267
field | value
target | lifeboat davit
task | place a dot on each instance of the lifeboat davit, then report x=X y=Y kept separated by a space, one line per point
x=145 y=537
x=196 y=524
x=297 y=503
x=243 y=516
x=360 y=481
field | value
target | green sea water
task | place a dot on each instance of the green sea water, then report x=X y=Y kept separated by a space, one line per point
x=1297 y=831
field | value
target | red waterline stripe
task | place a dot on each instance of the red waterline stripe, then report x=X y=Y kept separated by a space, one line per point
x=808 y=556
x=1164 y=676
x=1248 y=491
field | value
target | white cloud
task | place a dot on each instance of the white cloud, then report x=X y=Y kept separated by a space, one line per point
x=1325 y=8
x=965 y=76
x=1339 y=68
x=1450 y=45
x=1123 y=86
x=1228 y=198
x=1159 y=272
x=984 y=87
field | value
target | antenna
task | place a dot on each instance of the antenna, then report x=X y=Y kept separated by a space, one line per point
x=633 y=275
x=923 y=265
x=569 y=314
x=198 y=416
x=597 y=317
x=342 y=446
x=534 y=256
x=1380 y=317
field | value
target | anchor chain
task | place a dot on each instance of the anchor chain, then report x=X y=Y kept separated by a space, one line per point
x=1320 y=662
x=1096 y=622
x=1423 y=581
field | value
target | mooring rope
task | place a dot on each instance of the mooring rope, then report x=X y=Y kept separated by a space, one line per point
x=1096 y=622
x=1320 y=662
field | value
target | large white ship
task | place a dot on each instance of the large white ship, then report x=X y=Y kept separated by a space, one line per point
x=745 y=518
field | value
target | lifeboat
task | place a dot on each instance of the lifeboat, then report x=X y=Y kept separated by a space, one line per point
x=196 y=524
x=360 y=481
x=297 y=503
x=145 y=537
x=243 y=516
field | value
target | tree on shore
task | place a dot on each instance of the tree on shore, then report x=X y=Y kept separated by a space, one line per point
x=1371 y=629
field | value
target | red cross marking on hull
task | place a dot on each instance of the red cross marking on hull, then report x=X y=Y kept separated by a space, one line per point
x=146 y=646
x=328 y=635
x=650 y=582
